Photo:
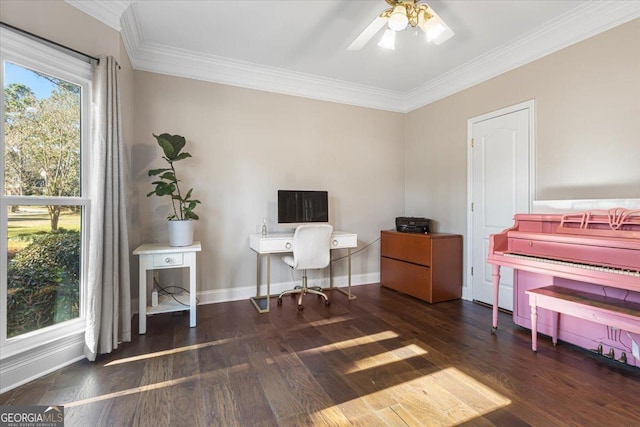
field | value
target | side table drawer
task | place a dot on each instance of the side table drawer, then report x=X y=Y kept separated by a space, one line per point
x=164 y=260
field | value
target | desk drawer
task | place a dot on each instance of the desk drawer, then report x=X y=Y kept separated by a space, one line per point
x=283 y=243
x=165 y=260
x=276 y=244
x=341 y=241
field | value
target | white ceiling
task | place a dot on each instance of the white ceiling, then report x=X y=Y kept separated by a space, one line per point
x=299 y=47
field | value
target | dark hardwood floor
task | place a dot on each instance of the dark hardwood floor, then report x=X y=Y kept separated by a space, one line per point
x=383 y=359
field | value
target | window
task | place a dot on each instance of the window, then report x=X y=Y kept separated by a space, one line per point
x=43 y=205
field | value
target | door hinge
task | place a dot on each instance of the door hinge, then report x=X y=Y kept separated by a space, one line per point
x=471 y=206
x=473 y=141
x=472 y=271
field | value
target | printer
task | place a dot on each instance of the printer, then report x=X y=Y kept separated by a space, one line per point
x=407 y=224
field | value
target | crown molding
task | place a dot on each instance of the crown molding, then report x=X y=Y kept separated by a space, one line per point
x=108 y=12
x=587 y=21
x=214 y=69
x=570 y=28
x=253 y=76
x=185 y=63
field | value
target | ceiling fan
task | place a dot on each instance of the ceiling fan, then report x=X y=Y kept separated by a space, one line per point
x=401 y=14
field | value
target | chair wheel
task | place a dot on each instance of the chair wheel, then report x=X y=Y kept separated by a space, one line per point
x=279 y=301
x=300 y=307
x=327 y=303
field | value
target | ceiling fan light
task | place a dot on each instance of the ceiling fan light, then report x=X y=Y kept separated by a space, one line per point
x=434 y=27
x=388 y=40
x=423 y=17
x=444 y=36
x=398 y=20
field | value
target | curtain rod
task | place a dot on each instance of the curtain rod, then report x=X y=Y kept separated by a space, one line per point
x=51 y=42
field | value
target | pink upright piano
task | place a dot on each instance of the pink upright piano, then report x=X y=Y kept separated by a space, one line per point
x=594 y=253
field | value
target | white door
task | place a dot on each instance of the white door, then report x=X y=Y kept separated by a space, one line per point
x=500 y=188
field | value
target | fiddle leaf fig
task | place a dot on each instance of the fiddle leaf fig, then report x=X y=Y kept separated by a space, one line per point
x=171 y=145
x=168 y=183
x=154 y=172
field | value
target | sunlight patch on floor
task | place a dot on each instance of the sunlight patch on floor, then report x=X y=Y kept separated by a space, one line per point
x=176 y=350
x=392 y=356
x=354 y=342
x=324 y=322
x=154 y=386
x=445 y=398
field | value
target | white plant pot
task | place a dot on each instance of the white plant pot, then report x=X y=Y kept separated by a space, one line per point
x=181 y=232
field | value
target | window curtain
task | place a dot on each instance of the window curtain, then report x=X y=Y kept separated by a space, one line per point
x=108 y=289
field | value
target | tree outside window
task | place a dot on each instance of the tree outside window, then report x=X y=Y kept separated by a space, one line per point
x=42 y=173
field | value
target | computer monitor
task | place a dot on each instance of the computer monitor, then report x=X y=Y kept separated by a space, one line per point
x=297 y=206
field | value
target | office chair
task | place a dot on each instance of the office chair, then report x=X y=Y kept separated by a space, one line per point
x=311 y=250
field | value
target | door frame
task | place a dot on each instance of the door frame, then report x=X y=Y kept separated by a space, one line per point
x=467 y=291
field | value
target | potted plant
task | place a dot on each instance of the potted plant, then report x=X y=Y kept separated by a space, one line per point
x=181 y=222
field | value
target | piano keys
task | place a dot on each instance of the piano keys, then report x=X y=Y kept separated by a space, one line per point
x=595 y=251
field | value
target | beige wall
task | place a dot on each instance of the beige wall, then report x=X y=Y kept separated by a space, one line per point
x=587 y=125
x=246 y=145
x=62 y=23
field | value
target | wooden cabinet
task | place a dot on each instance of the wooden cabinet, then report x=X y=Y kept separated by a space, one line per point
x=426 y=266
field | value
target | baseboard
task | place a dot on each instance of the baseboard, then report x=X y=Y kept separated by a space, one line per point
x=37 y=362
x=246 y=292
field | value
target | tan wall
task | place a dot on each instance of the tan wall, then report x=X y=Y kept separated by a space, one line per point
x=62 y=23
x=246 y=145
x=587 y=125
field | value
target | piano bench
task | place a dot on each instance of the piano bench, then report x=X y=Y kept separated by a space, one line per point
x=624 y=315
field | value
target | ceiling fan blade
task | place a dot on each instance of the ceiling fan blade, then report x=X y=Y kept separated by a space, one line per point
x=368 y=33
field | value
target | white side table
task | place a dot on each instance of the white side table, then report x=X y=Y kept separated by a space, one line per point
x=159 y=256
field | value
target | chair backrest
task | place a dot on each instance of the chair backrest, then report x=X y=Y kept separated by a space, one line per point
x=311 y=246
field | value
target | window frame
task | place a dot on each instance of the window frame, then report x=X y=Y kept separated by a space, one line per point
x=29 y=53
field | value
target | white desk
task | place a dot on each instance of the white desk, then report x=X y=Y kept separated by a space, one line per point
x=279 y=243
x=157 y=256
